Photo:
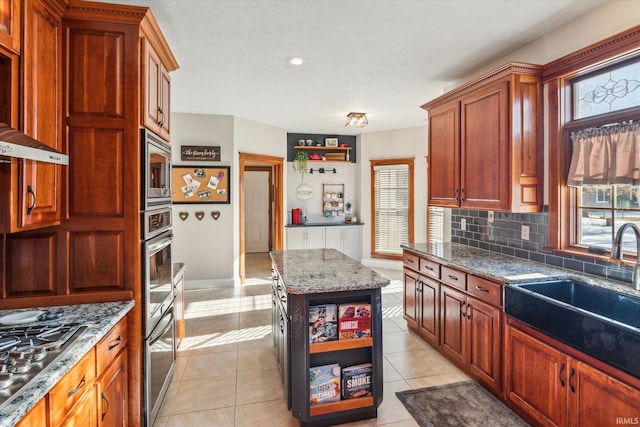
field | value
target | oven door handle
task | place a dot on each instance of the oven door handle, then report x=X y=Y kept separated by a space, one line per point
x=160 y=244
x=153 y=339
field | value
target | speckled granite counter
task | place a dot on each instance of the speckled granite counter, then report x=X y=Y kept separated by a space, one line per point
x=312 y=271
x=99 y=318
x=503 y=268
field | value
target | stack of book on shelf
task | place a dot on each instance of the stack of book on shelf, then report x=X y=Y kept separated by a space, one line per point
x=329 y=383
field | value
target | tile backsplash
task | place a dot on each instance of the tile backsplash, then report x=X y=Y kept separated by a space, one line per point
x=503 y=235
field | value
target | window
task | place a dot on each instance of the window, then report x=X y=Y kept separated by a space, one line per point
x=391 y=206
x=594 y=150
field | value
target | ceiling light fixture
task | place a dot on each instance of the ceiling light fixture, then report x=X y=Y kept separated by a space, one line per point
x=356 y=120
x=295 y=60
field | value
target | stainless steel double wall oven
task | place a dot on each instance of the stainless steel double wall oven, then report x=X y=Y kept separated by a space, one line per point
x=157 y=273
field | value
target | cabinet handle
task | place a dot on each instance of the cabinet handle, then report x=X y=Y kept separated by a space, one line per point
x=560 y=374
x=428 y=268
x=409 y=260
x=455 y=195
x=161 y=121
x=115 y=343
x=78 y=387
x=452 y=277
x=571 y=374
x=481 y=289
x=463 y=310
x=468 y=311
x=461 y=197
x=33 y=205
x=104 y=397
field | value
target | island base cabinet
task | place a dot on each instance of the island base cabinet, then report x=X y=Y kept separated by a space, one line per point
x=305 y=356
x=555 y=389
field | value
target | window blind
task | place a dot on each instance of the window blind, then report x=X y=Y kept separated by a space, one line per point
x=435 y=224
x=391 y=192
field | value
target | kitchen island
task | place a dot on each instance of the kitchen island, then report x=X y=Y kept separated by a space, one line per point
x=100 y=319
x=309 y=278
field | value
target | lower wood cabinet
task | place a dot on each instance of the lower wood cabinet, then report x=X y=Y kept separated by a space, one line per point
x=555 y=389
x=458 y=314
x=94 y=393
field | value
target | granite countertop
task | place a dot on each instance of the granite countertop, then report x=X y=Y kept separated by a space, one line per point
x=99 y=318
x=506 y=269
x=324 y=224
x=312 y=271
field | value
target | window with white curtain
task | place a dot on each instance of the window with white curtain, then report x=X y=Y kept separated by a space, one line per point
x=392 y=206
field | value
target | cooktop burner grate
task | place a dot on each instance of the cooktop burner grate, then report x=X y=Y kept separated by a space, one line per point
x=27 y=351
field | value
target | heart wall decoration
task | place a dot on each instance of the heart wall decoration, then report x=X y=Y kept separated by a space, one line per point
x=200 y=215
x=183 y=215
x=215 y=214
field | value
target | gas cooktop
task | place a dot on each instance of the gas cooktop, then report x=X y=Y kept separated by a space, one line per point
x=27 y=351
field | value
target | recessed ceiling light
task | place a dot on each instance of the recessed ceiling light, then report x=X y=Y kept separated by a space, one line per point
x=295 y=60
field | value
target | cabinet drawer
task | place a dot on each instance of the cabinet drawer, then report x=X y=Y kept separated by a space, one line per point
x=454 y=278
x=485 y=290
x=72 y=387
x=411 y=261
x=430 y=268
x=109 y=347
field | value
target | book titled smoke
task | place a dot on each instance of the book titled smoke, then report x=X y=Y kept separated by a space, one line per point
x=356 y=381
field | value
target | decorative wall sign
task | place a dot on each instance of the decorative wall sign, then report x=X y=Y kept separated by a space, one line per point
x=215 y=214
x=200 y=215
x=200 y=152
x=304 y=191
x=201 y=184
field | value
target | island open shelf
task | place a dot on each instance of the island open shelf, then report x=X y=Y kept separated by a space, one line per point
x=308 y=278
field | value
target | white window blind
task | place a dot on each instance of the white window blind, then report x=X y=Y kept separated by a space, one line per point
x=391 y=193
x=435 y=224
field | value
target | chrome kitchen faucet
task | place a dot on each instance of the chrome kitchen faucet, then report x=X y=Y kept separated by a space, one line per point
x=616 y=250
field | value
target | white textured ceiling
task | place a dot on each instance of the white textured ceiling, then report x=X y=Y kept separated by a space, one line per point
x=382 y=57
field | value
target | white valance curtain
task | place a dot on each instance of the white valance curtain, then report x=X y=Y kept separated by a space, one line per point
x=606 y=155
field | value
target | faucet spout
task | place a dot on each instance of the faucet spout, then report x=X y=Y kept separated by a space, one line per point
x=616 y=250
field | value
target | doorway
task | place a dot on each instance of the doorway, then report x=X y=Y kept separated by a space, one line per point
x=249 y=165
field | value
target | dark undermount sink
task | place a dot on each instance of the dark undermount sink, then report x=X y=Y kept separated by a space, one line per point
x=600 y=322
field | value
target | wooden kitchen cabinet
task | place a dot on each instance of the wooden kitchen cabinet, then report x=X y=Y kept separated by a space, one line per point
x=37 y=416
x=84 y=414
x=555 y=389
x=112 y=394
x=10 y=24
x=34 y=189
x=485 y=142
x=457 y=313
x=156 y=94
x=64 y=396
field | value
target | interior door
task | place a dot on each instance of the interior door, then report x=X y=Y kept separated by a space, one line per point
x=258 y=210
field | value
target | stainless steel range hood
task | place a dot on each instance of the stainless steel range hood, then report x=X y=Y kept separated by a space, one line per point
x=15 y=144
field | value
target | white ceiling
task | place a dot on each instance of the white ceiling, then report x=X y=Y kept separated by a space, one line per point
x=382 y=57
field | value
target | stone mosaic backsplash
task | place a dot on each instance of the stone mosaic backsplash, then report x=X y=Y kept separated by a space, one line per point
x=503 y=236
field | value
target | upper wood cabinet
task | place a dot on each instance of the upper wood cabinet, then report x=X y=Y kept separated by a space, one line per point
x=156 y=93
x=34 y=188
x=10 y=24
x=485 y=142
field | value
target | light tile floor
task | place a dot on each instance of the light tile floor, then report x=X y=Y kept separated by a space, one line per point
x=226 y=371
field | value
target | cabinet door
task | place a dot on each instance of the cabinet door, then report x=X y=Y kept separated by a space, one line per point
x=536 y=378
x=152 y=95
x=597 y=399
x=314 y=237
x=484 y=356
x=334 y=238
x=452 y=327
x=37 y=416
x=40 y=188
x=165 y=103
x=353 y=242
x=295 y=238
x=429 y=296
x=112 y=394
x=444 y=155
x=410 y=301
x=484 y=148
x=10 y=24
x=84 y=414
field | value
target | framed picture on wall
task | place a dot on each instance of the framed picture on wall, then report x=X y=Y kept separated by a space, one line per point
x=331 y=142
x=200 y=184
